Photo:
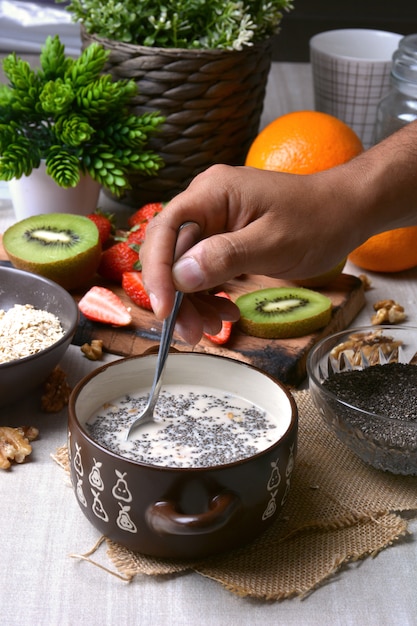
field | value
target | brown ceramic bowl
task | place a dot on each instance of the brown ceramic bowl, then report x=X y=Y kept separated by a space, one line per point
x=19 y=377
x=181 y=512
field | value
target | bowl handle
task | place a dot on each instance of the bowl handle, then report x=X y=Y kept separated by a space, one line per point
x=164 y=519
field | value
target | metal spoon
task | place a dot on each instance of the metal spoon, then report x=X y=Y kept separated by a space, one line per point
x=166 y=337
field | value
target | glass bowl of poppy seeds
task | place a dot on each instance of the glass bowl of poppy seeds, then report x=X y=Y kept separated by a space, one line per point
x=364 y=384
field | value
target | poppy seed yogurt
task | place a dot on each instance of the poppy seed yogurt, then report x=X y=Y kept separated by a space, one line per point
x=193 y=427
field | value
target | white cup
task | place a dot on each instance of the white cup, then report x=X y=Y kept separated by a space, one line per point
x=351 y=73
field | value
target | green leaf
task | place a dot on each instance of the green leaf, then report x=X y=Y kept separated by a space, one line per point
x=88 y=67
x=56 y=97
x=73 y=129
x=63 y=167
x=18 y=159
x=53 y=60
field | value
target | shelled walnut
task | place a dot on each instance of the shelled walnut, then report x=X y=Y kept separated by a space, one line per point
x=93 y=350
x=367 y=345
x=367 y=285
x=56 y=391
x=388 y=312
x=14 y=444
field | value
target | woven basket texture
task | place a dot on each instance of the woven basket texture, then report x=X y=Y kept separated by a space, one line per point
x=212 y=101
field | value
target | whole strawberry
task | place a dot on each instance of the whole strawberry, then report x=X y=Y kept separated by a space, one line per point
x=104 y=223
x=133 y=286
x=119 y=258
x=137 y=234
x=145 y=213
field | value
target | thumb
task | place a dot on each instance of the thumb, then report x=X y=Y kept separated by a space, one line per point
x=209 y=263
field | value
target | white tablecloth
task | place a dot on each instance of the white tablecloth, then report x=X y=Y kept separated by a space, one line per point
x=41 y=525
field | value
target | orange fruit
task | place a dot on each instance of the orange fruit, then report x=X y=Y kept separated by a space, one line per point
x=391 y=251
x=303 y=142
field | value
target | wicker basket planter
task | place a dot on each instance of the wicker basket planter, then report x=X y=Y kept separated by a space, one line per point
x=212 y=101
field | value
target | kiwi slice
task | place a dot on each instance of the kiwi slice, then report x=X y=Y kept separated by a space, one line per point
x=60 y=246
x=283 y=312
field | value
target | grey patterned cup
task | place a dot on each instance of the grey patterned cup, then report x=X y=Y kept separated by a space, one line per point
x=351 y=73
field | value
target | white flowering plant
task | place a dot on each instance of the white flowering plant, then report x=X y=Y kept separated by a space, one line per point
x=194 y=24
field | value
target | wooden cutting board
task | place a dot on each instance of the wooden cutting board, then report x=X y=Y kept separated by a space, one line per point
x=285 y=359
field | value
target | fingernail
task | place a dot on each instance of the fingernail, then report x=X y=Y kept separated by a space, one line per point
x=187 y=273
x=154 y=302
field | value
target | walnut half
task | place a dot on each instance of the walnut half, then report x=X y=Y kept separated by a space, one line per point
x=56 y=391
x=388 y=312
x=14 y=444
x=369 y=346
x=93 y=350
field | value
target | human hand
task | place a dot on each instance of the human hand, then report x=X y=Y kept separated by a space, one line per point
x=244 y=220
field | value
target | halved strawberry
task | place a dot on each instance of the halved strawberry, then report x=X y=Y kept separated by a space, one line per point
x=104 y=223
x=119 y=258
x=145 y=213
x=102 y=305
x=133 y=286
x=226 y=330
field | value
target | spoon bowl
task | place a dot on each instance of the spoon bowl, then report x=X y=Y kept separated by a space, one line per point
x=147 y=414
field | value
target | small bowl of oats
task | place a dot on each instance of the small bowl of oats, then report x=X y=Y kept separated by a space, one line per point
x=364 y=384
x=38 y=319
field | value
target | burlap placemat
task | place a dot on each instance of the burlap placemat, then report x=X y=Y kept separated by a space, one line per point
x=339 y=510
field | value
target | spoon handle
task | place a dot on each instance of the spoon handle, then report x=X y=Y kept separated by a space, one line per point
x=166 y=337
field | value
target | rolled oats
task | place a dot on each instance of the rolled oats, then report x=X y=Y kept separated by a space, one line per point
x=26 y=330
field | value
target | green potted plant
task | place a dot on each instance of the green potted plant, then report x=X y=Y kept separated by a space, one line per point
x=193 y=24
x=75 y=119
x=203 y=64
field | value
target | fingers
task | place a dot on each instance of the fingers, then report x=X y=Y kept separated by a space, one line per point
x=204 y=313
x=243 y=221
x=157 y=252
x=158 y=277
x=189 y=324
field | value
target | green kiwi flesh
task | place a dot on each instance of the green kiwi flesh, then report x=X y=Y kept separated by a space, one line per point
x=60 y=246
x=283 y=312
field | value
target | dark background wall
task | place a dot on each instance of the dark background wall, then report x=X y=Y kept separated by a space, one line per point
x=313 y=16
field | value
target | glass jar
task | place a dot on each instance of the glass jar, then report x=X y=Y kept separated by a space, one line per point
x=399 y=107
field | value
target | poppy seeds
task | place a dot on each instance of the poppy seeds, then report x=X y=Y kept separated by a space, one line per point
x=383 y=431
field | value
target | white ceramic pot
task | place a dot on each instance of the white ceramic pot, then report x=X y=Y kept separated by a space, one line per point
x=39 y=193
